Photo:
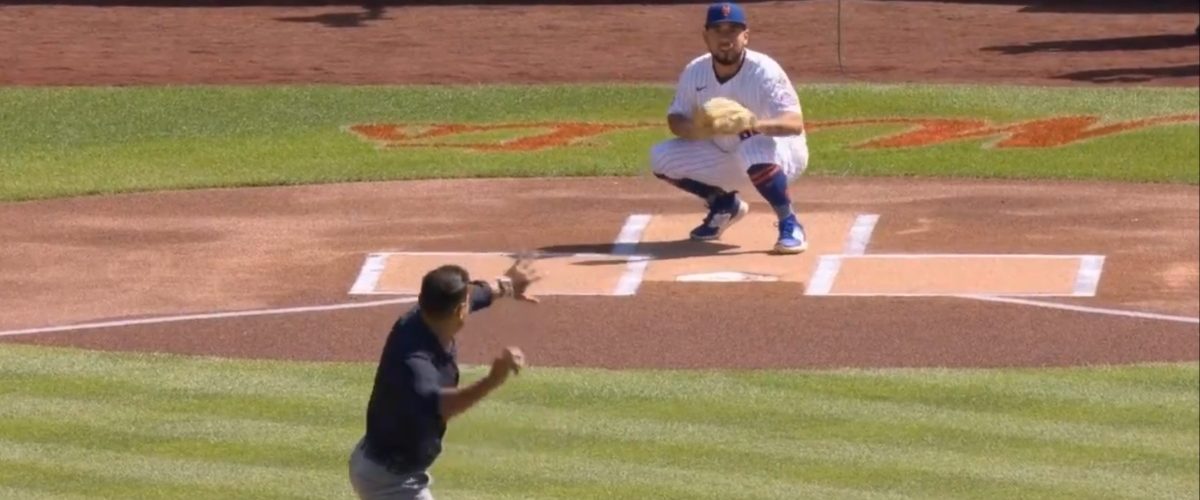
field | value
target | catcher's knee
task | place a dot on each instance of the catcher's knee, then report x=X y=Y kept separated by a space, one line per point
x=660 y=155
x=799 y=159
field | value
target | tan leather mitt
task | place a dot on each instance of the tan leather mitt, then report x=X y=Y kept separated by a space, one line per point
x=723 y=116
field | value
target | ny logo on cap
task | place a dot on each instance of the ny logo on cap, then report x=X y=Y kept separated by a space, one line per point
x=725 y=8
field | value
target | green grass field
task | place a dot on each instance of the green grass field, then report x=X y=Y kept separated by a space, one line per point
x=148 y=426
x=81 y=424
x=72 y=141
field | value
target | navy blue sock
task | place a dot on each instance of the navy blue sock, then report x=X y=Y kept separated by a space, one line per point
x=706 y=192
x=772 y=184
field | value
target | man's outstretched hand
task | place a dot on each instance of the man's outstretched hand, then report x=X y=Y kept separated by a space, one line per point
x=522 y=273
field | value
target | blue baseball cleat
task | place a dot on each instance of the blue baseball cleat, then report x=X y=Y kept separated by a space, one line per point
x=791 y=236
x=722 y=213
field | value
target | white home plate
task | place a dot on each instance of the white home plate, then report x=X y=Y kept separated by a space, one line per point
x=726 y=276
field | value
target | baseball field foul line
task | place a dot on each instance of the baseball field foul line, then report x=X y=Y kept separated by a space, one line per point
x=1085 y=309
x=216 y=315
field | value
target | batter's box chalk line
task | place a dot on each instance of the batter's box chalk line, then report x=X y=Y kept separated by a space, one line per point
x=376 y=264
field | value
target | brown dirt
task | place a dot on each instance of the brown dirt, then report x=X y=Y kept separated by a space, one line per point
x=88 y=259
x=957 y=275
x=277 y=254
x=895 y=41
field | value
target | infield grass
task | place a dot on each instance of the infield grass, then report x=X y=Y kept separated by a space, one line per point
x=84 y=424
x=75 y=141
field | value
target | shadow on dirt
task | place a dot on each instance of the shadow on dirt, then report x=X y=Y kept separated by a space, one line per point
x=340 y=19
x=1152 y=42
x=1086 y=6
x=659 y=250
x=1132 y=75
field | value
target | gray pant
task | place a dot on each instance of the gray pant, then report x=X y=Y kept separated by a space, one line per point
x=373 y=481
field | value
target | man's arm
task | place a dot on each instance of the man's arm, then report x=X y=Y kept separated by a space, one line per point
x=482 y=295
x=514 y=283
x=785 y=116
x=446 y=402
x=453 y=401
x=788 y=123
x=682 y=126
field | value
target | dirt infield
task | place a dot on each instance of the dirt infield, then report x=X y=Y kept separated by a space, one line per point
x=199 y=251
x=133 y=256
x=1039 y=42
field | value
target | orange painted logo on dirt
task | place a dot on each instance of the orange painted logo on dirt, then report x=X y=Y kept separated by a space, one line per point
x=920 y=132
x=1042 y=133
x=537 y=135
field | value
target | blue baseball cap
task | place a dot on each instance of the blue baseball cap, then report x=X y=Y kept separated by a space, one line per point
x=725 y=12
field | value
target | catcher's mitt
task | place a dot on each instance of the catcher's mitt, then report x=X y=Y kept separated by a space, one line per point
x=723 y=116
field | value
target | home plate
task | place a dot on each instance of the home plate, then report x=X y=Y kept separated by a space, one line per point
x=725 y=277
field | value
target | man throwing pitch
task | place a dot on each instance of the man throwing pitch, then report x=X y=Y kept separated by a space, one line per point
x=738 y=123
x=416 y=390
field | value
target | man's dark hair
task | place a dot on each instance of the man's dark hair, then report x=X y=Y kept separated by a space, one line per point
x=443 y=289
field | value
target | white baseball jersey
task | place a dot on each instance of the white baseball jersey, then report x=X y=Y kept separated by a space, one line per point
x=762 y=86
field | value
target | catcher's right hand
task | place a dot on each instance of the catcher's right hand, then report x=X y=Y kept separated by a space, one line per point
x=722 y=116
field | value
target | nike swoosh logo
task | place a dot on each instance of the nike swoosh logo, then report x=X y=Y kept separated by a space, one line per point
x=701 y=88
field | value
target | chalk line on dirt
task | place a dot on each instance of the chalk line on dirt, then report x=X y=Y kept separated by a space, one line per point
x=829 y=265
x=860 y=234
x=215 y=315
x=626 y=245
x=1085 y=309
x=368 y=276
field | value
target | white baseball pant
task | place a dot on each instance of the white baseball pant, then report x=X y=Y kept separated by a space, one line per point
x=703 y=161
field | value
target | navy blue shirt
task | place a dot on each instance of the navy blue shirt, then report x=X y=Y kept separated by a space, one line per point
x=405 y=426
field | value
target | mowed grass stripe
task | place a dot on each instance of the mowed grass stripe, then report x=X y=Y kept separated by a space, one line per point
x=185 y=435
x=291 y=408
x=1092 y=386
x=53 y=480
x=717 y=389
x=196 y=375
x=751 y=479
x=247 y=480
x=263 y=442
x=36 y=494
x=733 y=449
x=725 y=399
x=982 y=398
x=615 y=476
x=995 y=390
x=558 y=433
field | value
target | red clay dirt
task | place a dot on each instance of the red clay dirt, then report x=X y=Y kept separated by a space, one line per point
x=286 y=246
x=1043 y=42
x=92 y=259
